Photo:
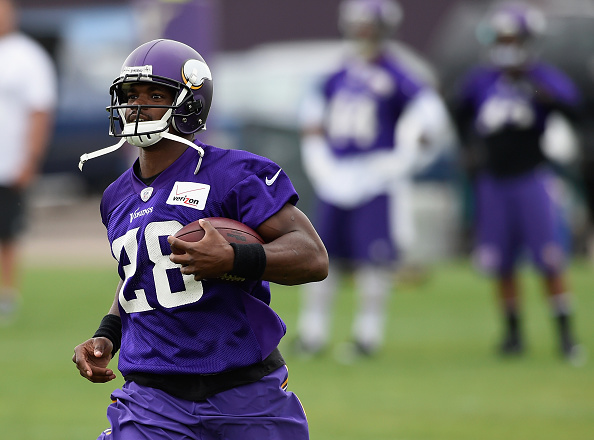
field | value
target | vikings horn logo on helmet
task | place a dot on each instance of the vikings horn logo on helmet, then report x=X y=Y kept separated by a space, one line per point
x=194 y=73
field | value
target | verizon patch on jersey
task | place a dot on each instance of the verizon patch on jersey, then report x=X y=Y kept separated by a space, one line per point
x=190 y=194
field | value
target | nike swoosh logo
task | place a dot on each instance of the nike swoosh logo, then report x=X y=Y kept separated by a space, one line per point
x=271 y=181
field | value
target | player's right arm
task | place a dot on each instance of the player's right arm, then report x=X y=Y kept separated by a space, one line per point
x=92 y=356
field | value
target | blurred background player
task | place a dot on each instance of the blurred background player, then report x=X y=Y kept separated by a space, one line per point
x=502 y=112
x=27 y=99
x=371 y=125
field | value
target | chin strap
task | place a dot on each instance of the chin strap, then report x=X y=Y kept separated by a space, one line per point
x=94 y=154
x=198 y=148
x=87 y=156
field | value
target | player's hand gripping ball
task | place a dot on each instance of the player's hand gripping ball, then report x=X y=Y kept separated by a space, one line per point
x=232 y=230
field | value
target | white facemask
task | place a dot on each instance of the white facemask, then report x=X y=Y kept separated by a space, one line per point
x=508 y=55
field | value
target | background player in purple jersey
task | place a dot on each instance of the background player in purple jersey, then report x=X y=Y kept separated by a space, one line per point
x=199 y=354
x=502 y=112
x=372 y=124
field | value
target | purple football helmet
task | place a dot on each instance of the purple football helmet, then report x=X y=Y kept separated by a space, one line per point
x=511 y=19
x=510 y=29
x=175 y=65
x=517 y=20
x=383 y=15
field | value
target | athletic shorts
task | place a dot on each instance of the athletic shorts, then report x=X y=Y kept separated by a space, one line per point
x=516 y=215
x=361 y=234
x=263 y=410
x=12 y=220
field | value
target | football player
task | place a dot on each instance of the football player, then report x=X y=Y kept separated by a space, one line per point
x=372 y=124
x=199 y=355
x=502 y=112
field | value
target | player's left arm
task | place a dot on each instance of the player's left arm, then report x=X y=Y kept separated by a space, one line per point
x=294 y=253
x=557 y=93
x=38 y=135
x=424 y=131
x=41 y=99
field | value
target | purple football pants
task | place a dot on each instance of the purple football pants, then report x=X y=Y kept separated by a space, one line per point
x=259 y=411
x=517 y=214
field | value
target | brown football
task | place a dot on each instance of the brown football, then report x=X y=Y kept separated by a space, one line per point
x=232 y=230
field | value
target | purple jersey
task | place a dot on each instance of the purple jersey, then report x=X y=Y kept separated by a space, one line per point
x=364 y=102
x=509 y=113
x=172 y=324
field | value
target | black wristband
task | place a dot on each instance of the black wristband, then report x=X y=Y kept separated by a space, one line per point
x=111 y=328
x=250 y=261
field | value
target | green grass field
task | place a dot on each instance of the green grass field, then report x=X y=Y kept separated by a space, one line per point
x=437 y=379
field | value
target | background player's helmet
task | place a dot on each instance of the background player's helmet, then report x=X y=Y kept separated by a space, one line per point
x=509 y=30
x=377 y=19
x=168 y=63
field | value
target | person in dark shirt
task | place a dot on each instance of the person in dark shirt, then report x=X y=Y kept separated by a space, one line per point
x=501 y=111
